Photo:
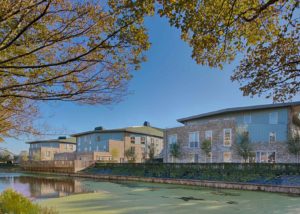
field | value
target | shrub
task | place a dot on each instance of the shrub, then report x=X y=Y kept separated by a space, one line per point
x=12 y=202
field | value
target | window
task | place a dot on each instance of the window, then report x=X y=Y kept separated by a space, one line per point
x=227 y=157
x=71 y=146
x=143 y=140
x=66 y=146
x=257 y=157
x=272 y=137
x=208 y=135
x=132 y=149
x=152 y=140
x=273 y=118
x=196 y=158
x=172 y=139
x=98 y=139
x=194 y=139
x=266 y=157
x=48 y=153
x=247 y=118
x=227 y=137
x=271 y=157
x=132 y=140
x=263 y=157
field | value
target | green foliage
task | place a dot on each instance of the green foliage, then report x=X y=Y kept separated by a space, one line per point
x=12 y=202
x=175 y=150
x=243 y=146
x=206 y=146
x=293 y=144
x=236 y=172
x=130 y=155
x=151 y=152
x=265 y=33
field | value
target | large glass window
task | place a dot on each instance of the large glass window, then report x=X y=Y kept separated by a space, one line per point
x=194 y=139
x=227 y=157
x=132 y=140
x=264 y=157
x=208 y=135
x=273 y=117
x=143 y=140
x=172 y=139
x=227 y=137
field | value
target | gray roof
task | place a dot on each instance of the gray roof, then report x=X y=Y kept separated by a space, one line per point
x=144 y=130
x=238 y=109
x=70 y=140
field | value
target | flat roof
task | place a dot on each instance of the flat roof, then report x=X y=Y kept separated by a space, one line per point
x=238 y=109
x=70 y=140
x=144 y=130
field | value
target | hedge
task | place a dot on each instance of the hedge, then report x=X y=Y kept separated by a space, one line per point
x=241 y=172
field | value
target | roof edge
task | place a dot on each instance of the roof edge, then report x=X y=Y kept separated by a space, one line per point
x=237 y=109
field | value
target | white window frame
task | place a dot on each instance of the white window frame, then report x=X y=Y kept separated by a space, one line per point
x=197 y=140
x=224 y=134
x=250 y=118
x=210 y=135
x=275 y=137
x=276 y=117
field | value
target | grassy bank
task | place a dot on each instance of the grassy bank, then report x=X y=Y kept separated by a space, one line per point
x=14 y=203
x=4 y=167
x=232 y=172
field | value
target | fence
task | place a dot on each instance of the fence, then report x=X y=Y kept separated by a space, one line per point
x=209 y=171
x=65 y=166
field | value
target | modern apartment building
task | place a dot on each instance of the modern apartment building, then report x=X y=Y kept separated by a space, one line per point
x=115 y=144
x=267 y=126
x=46 y=149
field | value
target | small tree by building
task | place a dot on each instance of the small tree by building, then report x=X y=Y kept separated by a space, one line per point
x=175 y=151
x=243 y=146
x=293 y=144
x=206 y=148
x=115 y=153
x=151 y=152
x=36 y=156
x=130 y=155
x=23 y=157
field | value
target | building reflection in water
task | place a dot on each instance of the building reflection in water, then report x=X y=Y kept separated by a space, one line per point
x=41 y=187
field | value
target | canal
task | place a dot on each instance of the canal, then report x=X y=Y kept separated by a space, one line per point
x=77 y=195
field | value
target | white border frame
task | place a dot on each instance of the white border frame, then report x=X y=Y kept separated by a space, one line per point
x=224 y=130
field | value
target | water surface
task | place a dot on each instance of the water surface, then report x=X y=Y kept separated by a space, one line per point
x=74 y=195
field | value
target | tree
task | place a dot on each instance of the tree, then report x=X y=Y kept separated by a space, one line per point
x=36 y=156
x=151 y=152
x=5 y=156
x=264 y=33
x=80 y=51
x=243 y=146
x=130 y=154
x=115 y=153
x=293 y=144
x=23 y=156
x=175 y=150
x=206 y=147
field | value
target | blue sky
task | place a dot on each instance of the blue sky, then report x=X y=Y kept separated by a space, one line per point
x=170 y=85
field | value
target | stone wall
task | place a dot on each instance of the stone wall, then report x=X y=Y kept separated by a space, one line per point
x=217 y=127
